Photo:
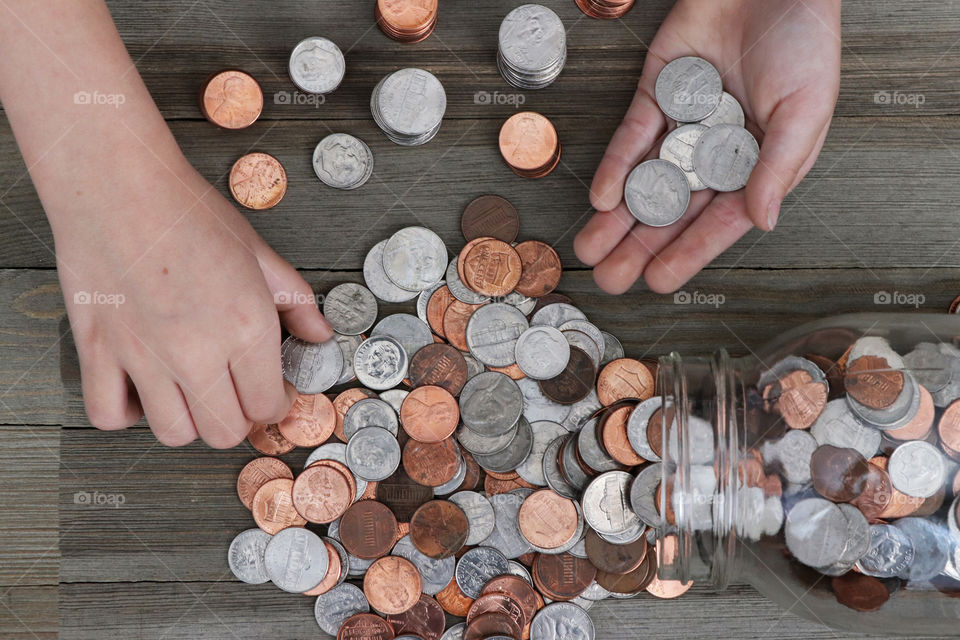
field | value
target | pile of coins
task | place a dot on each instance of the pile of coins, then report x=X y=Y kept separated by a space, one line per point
x=532 y=47
x=406 y=20
x=529 y=144
x=605 y=9
x=408 y=105
x=709 y=149
x=482 y=469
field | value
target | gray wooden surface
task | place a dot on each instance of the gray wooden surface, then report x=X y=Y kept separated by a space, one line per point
x=876 y=214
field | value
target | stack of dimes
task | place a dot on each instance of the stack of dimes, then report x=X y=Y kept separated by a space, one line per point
x=406 y=20
x=709 y=149
x=532 y=47
x=605 y=9
x=343 y=161
x=316 y=65
x=409 y=105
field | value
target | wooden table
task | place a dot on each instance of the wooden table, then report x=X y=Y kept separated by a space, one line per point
x=877 y=213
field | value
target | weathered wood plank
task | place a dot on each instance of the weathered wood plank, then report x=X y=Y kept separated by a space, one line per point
x=29 y=613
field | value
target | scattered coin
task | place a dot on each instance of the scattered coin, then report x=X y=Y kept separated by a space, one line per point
x=296 y=559
x=490 y=216
x=231 y=99
x=439 y=528
x=392 y=585
x=316 y=65
x=245 y=556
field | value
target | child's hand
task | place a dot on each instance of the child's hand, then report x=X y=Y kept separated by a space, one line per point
x=781 y=60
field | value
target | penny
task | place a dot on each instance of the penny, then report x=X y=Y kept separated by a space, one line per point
x=373 y=454
x=575 y=382
x=859 y=592
x=529 y=144
x=296 y=560
x=406 y=20
x=605 y=9
x=437 y=305
x=370 y=412
x=424 y=620
x=688 y=89
x=876 y=495
x=380 y=363
x=838 y=474
x=631 y=582
x=492 y=626
x=624 y=378
x=547 y=520
x=490 y=216
x=342 y=404
x=502 y=603
x=439 y=365
x=335 y=606
x=725 y=156
x=368 y=529
x=949 y=426
x=322 y=493
x=453 y=600
x=667 y=589
x=231 y=99
x=257 y=473
x=316 y=65
x=798 y=398
x=542 y=352
x=310 y=367
x=657 y=193
x=273 y=508
x=431 y=463
x=492 y=268
x=870 y=381
x=655 y=428
x=266 y=438
x=439 y=529
x=258 y=181
x=334 y=568
x=519 y=590
x=615 y=558
x=541 y=268
x=615 y=440
x=365 y=626
x=562 y=576
x=392 y=585
x=310 y=421
x=478 y=566
x=455 y=321
x=402 y=494
x=245 y=556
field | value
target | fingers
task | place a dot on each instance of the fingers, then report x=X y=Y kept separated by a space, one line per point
x=723 y=222
x=109 y=397
x=215 y=408
x=264 y=396
x=602 y=233
x=294 y=298
x=166 y=408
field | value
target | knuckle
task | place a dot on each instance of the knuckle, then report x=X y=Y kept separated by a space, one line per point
x=106 y=417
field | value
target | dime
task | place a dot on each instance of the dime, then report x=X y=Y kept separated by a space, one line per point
x=439 y=529
x=257 y=473
x=245 y=556
x=408 y=105
x=492 y=333
x=370 y=412
x=529 y=144
x=316 y=65
x=348 y=349
x=440 y=365
x=231 y=99
x=917 y=469
x=476 y=567
x=373 y=454
x=350 y=308
x=678 y=147
x=480 y=515
x=724 y=157
x=380 y=363
x=431 y=464
x=560 y=621
x=606 y=503
x=335 y=606
x=490 y=404
x=532 y=47
x=429 y=414
x=368 y=529
x=310 y=367
x=377 y=280
x=424 y=620
x=688 y=89
x=411 y=332
x=657 y=193
x=258 y=181
x=321 y=493
x=296 y=560
x=490 y=216
x=310 y=421
x=273 y=508
x=541 y=352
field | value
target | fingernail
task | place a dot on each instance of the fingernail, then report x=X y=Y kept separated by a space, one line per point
x=773 y=212
x=326 y=325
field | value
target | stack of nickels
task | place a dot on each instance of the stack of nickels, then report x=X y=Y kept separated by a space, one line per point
x=316 y=65
x=342 y=161
x=532 y=47
x=709 y=149
x=408 y=105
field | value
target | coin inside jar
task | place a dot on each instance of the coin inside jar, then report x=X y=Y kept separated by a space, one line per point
x=872 y=382
x=368 y=529
x=231 y=99
x=439 y=529
x=258 y=181
x=839 y=474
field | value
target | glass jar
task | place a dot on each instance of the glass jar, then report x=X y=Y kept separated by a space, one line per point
x=822 y=469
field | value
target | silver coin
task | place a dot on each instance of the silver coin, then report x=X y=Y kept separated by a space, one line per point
x=580 y=549
x=408 y=105
x=556 y=314
x=407 y=329
x=245 y=556
x=350 y=308
x=814 y=532
x=793 y=451
x=474 y=366
x=415 y=258
x=453 y=483
x=435 y=573
x=890 y=553
x=786 y=366
x=524 y=303
x=485 y=445
x=898 y=414
x=643 y=494
x=514 y=455
x=296 y=560
x=376 y=278
x=929 y=366
x=637 y=427
x=380 y=363
x=725 y=156
x=506 y=532
x=477 y=567
x=562 y=621
x=581 y=411
x=552 y=474
x=606 y=503
x=875 y=346
x=953 y=520
x=373 y=454
x=657 y=193
x=343 y=555
x=544 y=432
x=480 y=515
x=838 y=426
x=728 y=111
x=932 y=548
x=917 y=469
x=311 y=367
x=370 y=412
x=335 y=606
x=490 y=403
x=592 y=452
x=857 y=535
x=456 y=632
x=634 y=533
x=537 y=406
x=595 y=592
x=612 y=349
x=459 y=290
x=342 y=161
x=424 y=299
x=541 y=352
x=583 y=342
x=316 y=65
x=394 y=398
x=586 y=327
x=688 y=89
x=532 y=47
x=678 y=148
x=492 y=333
x=348 y=348
x=570 y=467
x=517 y=569
x=336 y=451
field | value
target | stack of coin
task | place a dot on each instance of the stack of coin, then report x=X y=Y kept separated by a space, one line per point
x=316 y=65
x=258 y=181
x=532 y=47
x=343 y=161
x=709 y=149
x=529 y=144
x=408 y=105
x=406 y=20
x=605 y=9
x=231 y=99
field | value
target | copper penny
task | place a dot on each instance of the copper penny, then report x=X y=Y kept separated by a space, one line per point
x=257 y=473
x=342 y=469
x=490 y=216
x=437 y=307
x=562 y=576
x=453 y=600
x=575 y=382
x=258 y=181
x=519 y=590
x=492 y=268
x=512 y=371
x=493 y=485
x=273 y=509
x=342 y=404
x=839 y=474
x=921 y=424
x=332 y=578
x=322 y=493
x=667 y=547
x=900 y=504
x=615 y=558
x=402 y=494
x=832 y=370
x=492 y=625
x=954 y=306
x=949 y=425
x=547 y=519
x=392 y=585
x=472 y=477
x=430 y=413
x=365 y=626
x=464 y=252
x=655 y=428
x=440 y=365
x=529 y=144
x=231 y=99
x=870 y=381
x=431 y=463
x=798 y=398
x=498 y=603
x=439 y=529
x=266 y=438
x=406 y=20
x=860 y=592
x=370 y=492
x=614 y=438
x=633 y=581
x=455 y=321
x=310 y=421
x=541 y=268
x=424 y=620
x=624 y=378
x=368 y=529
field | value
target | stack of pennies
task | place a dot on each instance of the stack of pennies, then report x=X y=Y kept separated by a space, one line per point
x=709 y=149
x=343 y=161
x=605 y=9
x=231 y=99
x=406 y=20
x=532 y=47
x=408 y=105
x=257 y=181
x=316 y=65
x=529 y=144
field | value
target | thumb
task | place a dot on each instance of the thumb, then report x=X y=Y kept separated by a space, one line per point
x=294 y=298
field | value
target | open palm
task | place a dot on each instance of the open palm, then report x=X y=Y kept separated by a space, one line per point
x=781 y=60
